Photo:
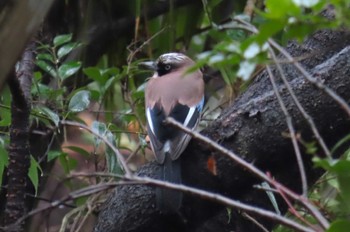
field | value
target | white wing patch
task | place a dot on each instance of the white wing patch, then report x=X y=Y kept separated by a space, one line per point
x=149 y=119
x=189 y=115
x=166 y=147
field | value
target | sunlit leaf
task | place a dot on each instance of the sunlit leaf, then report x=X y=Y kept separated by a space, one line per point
x=80 y=101
x=246 y=68
x=68 y=69
x=99 y=128
x=46 y=67
x=50 y=114
x=66 y=49
x=277 y=9
x=62 y=39
x=108 y=83
x=269 y=28
x=111 y=158
x=305 y=3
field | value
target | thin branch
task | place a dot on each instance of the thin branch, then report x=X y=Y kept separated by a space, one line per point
x=300 y=107
x=210 y=196
x=258 y=224
x=292 y=132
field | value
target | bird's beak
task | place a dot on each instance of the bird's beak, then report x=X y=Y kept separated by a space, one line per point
x=150 y=65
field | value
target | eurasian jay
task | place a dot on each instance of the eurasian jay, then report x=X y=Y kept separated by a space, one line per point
x=172 y=91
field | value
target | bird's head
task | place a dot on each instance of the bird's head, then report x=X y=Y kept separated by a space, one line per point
x=167 y=63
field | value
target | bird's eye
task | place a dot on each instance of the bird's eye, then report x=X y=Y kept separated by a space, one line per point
x=167 y=67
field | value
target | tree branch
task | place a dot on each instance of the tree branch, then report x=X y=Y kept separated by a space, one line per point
x=253 y=128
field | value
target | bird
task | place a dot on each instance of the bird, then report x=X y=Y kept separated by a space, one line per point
x=177 y=92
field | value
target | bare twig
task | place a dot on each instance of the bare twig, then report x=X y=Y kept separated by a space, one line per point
x=292 y=132
x=300 y=107
x=250 y=218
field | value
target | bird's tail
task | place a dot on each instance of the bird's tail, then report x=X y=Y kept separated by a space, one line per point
x=169 y=200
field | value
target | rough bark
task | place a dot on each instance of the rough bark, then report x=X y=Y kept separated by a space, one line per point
x=253 y=126
x=19 y=154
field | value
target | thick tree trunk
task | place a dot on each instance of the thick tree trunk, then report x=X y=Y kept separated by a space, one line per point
x=254 y=126
x=19 y=154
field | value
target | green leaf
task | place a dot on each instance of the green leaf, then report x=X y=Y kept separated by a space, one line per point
x=110 y=72
x=277 y=9
x=51 y=155
x=47 y=67
x=67 y=162
x=3 y=159
x=271 y=197
x=81 y=201
x=33 y=173
x=111 y=158
x=66 y=49
x=80 y=101
x=5 y=115
x=339 y=226
x=340 y=143
x=50 y=114
x=45 y=56
x=37 y=76
x=68 y=69
x=269 y=28
x=100 y=129
x=93 y=73
x=337 y=166
x=62 y=39
x=95 y=95
x=108 y=83
x=78 y=150
x=344 y=187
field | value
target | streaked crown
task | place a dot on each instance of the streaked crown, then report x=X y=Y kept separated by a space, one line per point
x=172 y=58
x=169 y=62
